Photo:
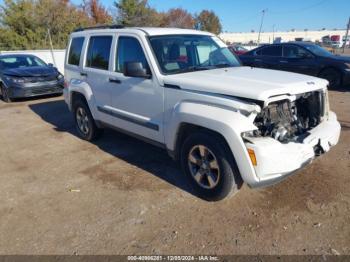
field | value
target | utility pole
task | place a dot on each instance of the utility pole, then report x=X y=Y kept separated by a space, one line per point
x=51 y=47
x=261 y=24
x=346 y=35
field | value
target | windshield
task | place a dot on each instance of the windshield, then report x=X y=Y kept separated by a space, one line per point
x=187 y=53
x=11 y=62
x=317 y=50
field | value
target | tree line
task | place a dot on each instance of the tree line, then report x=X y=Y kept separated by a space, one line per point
x=27 y=24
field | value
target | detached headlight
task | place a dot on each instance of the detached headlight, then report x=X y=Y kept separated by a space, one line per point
x=15 y=80
x=253 y=133
x=59 y=76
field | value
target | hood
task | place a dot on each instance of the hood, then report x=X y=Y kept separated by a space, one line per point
x=246 y=82
x=340 y=58
x=34 y=71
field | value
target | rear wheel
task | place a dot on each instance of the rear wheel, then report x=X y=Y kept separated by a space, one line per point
x=84 y=121
x=333 y=76
x=5 y=95
x=209 y=166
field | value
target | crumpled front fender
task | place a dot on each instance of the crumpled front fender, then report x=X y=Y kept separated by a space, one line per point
x=225 y=121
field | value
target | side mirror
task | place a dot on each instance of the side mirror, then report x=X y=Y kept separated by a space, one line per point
x=50 y=64
x=135 y=69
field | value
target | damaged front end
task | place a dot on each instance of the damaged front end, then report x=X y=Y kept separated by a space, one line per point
x=290 y=119
x=291 y=131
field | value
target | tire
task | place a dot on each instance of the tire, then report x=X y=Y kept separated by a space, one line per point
x=333 y=76
x=211 y=181
x=5 y=95
x=84 y=122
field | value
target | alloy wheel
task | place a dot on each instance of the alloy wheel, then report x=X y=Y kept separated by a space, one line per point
x=204 y=166
x=82 y=120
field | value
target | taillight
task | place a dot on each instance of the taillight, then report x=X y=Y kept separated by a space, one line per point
x=65 y=84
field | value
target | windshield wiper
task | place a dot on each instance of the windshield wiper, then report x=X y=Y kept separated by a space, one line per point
x=195 y=68
x=223 y=65
x=202 y=68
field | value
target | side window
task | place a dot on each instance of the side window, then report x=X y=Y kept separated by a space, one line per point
x=272 y=51
x=75 y=50
x=98 y=52
x=205 y=52
x=129 y=50
x=291 y=51
x=39 y=61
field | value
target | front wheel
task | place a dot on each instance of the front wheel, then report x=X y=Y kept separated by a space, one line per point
x=84 y=122
x=209 y=166
x=333 y=76
x=5 y=94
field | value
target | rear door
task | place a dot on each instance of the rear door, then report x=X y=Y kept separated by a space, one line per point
x=299 y=60
x=96 y=71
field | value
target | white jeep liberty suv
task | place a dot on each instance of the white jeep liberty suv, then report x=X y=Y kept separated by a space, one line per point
x=185 y=91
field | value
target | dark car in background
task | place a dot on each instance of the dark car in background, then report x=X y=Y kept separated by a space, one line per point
x=27 y=76
x=303 y=58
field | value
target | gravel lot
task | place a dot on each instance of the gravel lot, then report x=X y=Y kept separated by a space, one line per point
x=62 y=195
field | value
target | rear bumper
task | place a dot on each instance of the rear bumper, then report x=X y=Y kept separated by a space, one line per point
x=276 y=161
x=55 y=87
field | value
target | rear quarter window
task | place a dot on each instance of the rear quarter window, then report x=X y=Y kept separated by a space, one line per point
x=76 y=47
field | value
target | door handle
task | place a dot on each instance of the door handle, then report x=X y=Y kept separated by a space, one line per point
x=83 y=74
x=114 y=80
x=257 y=60
x=283 y=61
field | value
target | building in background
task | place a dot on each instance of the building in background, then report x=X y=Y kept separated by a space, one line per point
x=268 y=37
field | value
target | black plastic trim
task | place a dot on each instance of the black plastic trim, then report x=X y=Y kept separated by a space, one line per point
x=149 y=125
x=99 y=27
x=172 y=86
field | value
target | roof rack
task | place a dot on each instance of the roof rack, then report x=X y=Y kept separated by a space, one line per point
x=99 y=27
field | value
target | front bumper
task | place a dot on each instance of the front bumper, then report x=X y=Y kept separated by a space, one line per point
x=36 y=89
x=276 y=161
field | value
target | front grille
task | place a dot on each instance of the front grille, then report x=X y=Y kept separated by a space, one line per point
x=44 y=90
x=40 y=79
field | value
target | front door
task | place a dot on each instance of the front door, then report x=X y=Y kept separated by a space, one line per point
x=137 y=103
x=298 y=60
x=96 y=72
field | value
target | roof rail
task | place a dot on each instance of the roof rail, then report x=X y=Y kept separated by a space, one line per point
x=99 y=27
